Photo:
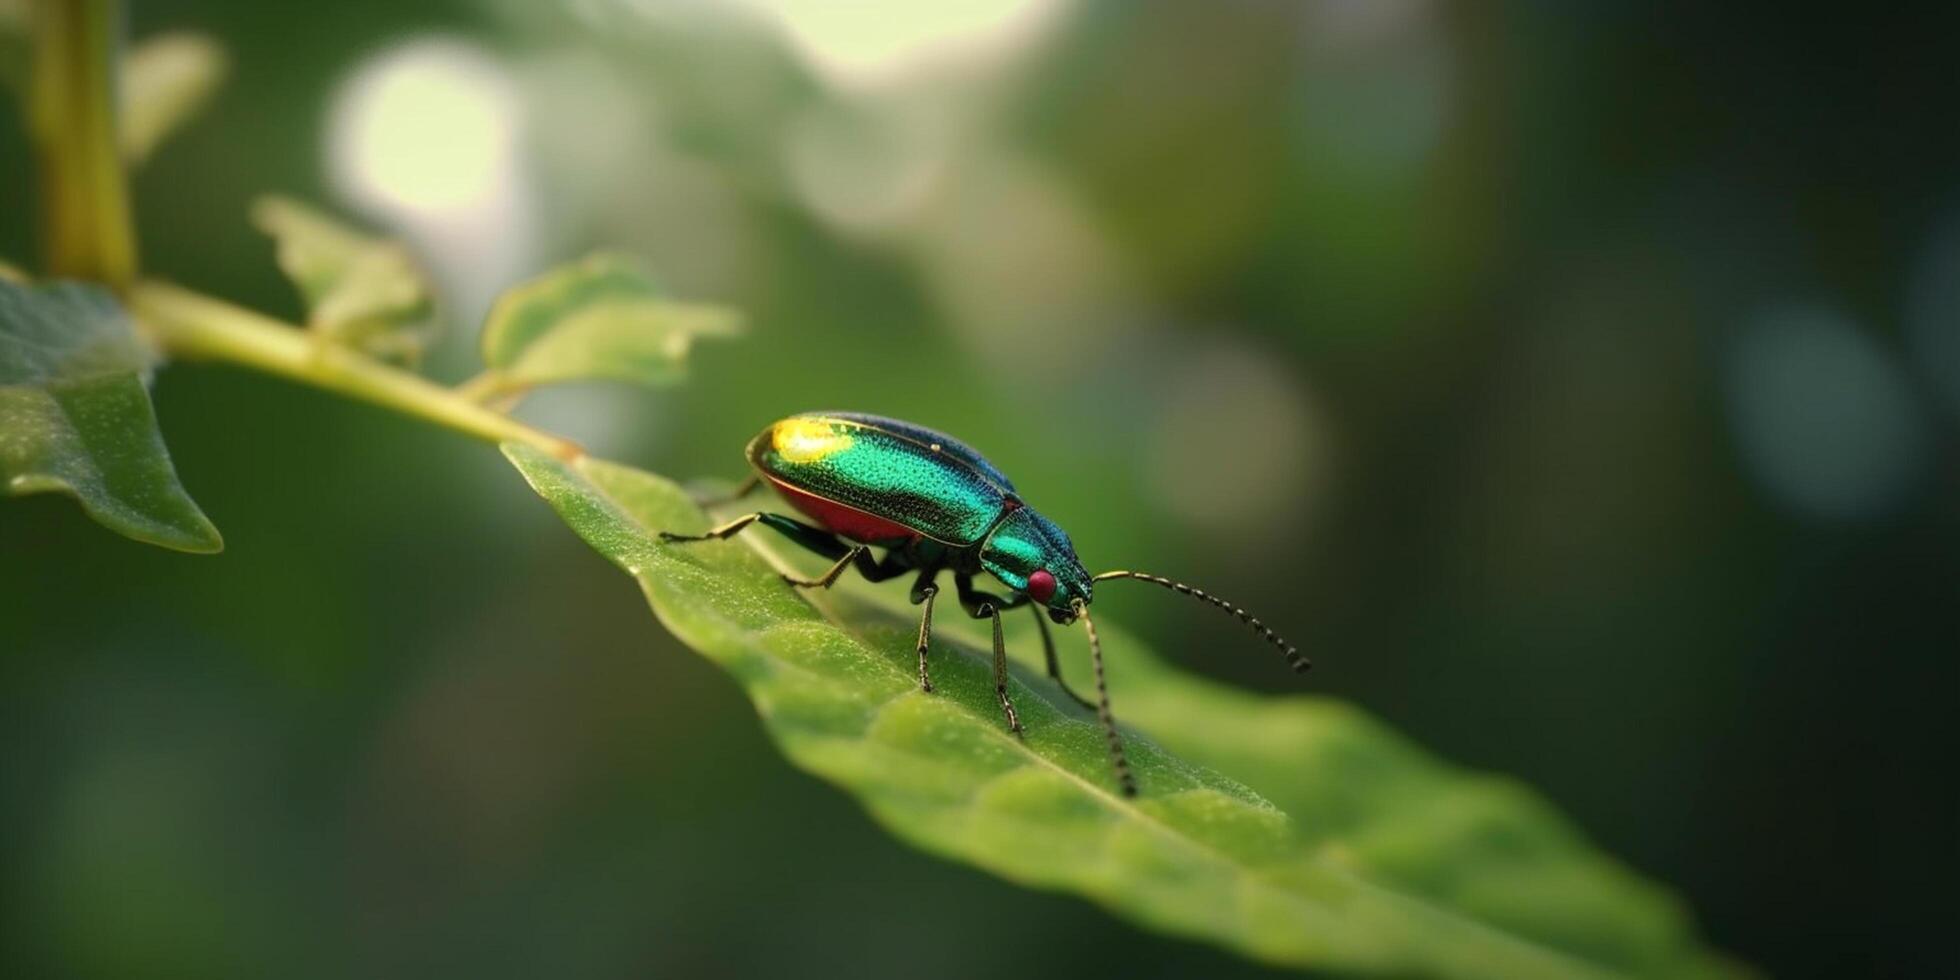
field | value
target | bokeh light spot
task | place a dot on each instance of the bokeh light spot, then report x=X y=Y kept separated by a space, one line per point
x=1932 y=311
x=427 y=128
x=865 y=169
x=1823 y=417
x=1236 y=445
x=860 y=44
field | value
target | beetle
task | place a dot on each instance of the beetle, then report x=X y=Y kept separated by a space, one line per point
x=934 y=504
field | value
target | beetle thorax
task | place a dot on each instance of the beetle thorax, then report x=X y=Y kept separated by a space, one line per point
x=1024 y=543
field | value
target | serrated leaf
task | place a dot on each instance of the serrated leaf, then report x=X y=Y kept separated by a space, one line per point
x=166 y=80
x=75 y=417
x=360 y=291
x=1345 y=849
x=598 y=318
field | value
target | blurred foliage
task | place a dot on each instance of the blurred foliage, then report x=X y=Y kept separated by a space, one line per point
x=166 y=80
x=13 y=44
x=360 y=291
x=75 y=415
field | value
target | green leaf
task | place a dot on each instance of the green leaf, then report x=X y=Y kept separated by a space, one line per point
x=360 y=291
x=1345 y=847
x=75 y=418
x=599 y=318
x=166 y=80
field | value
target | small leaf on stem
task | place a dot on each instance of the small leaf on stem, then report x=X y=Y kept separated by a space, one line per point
x=599 y=318
x=360 y=291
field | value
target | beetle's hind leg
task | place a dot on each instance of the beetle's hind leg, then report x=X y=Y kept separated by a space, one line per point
x=811 y=538
x=719 y=532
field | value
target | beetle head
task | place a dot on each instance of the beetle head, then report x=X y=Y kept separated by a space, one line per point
x=1029 y=554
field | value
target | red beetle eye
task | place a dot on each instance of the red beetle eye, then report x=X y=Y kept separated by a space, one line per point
x=1041 y=585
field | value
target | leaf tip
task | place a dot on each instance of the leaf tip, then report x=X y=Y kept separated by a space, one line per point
x=204 y=539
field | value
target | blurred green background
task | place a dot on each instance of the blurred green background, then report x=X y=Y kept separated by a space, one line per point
x=1578 y=383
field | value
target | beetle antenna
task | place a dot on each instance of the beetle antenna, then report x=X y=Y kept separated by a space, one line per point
x=1116 y=758
x=1300 y=664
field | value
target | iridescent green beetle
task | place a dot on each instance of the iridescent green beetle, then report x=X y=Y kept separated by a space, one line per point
x=934 y=505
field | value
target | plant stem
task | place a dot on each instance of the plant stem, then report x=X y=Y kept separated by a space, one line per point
x=189 y=324
x=86 y=217
x=485 y=386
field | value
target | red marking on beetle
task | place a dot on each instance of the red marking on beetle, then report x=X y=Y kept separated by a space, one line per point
x=849 y=522
x=1041 y=585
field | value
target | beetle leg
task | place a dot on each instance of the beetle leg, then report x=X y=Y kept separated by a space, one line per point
x=977 y=603
x=895 y=564
x=829 y=578
x=1000 y=673
x=812 y=538
x=719 y=532
x=923 y=593
x=1055 y=665
x=981 y=605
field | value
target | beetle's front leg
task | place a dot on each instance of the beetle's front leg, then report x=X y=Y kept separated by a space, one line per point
x=1055 y=663
x=980 y=605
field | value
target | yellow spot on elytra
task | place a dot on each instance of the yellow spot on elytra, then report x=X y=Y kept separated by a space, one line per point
x=809 y=440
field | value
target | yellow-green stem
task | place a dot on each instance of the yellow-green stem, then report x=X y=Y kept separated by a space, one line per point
x=192 y=325
x=85 y=209
x=483 y=388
